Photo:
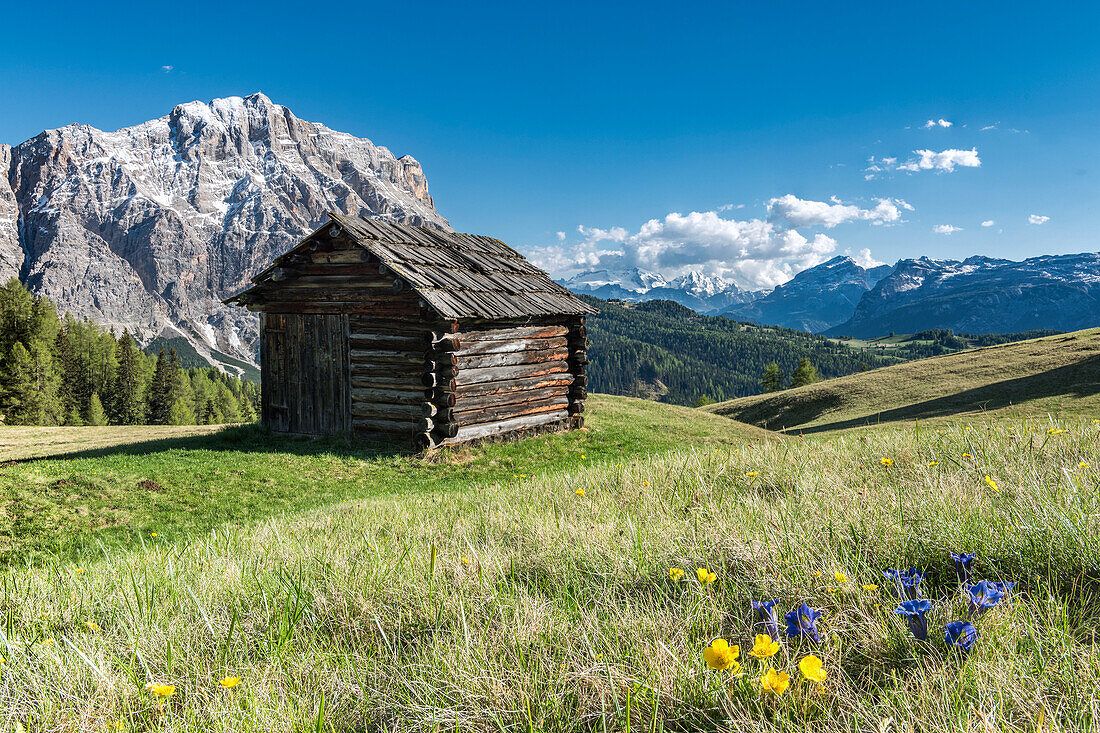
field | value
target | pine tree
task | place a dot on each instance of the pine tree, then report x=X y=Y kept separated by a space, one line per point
x=181 y=413
x=128 y=405
x=159 y=406
x=72 y=417
x=96 y=415
x=31 y=387
x=805 y=374
x=772 y=381
x=179 y=388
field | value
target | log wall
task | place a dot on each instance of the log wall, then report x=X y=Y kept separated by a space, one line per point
x=346 y=345
x=496 y=378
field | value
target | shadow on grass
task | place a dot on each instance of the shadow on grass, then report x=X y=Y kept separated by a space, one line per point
x=243 y=438
x=1074 y=380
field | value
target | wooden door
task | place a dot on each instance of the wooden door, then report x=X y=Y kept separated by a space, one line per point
x=304 y=373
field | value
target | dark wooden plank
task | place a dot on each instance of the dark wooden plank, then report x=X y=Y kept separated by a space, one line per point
x=508 y=334
x=514 y=385
x=509 y=359
x=519 y=371
x=476 y=348
x=377 y=395
x=502 y=412
x=466 y=403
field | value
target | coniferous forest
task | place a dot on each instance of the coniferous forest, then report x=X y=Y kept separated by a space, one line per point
x=662 y=350
x=61 y=371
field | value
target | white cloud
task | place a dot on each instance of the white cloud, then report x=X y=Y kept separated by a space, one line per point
x=865 y=260
x=990 y=127
x=942 y=161
x=796 y=212
x=946 y=229
x=755 y=253
x=1037 y=219
x=167 y=68
x=988 y=223
x=926 y=160
x=937 y=123
x=561 y=236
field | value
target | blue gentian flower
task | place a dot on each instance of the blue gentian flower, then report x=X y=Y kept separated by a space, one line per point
x=963 y=562
x=983 y=596
x=906 y=582
x=801 y=621
x=914 y=613
x=769 y=616
x=961 y=634
x=1005 y=587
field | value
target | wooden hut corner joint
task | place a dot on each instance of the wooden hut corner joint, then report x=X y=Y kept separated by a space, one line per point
x=418 y=336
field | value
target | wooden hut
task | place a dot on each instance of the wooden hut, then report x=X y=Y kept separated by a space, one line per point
x=415 y=335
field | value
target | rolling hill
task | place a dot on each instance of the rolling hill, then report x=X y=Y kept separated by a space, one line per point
x=1056 y=374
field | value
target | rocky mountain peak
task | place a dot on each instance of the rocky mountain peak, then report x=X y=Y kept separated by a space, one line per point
x=149 y=227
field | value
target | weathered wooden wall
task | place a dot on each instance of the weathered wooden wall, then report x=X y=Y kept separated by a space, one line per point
x=490 y=379
x=304 y=381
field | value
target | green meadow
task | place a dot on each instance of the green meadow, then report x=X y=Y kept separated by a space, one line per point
x=526 y=586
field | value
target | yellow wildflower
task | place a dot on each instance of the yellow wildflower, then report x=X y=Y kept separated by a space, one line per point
x=154 y=534
x=78 y=571
x=1083 y=464
x=752 y=474
x=775 y=682
x=840 y=577
x=1055 y=431
x=465 y=561
x=817 y=573
x=764 y=647
x=675 y=573
x=160 y=690
x=811 y=669
x=869 y=586
x=92 y=625
x=967 y=455
x=933 y=464
x=705 y=576
x=579 y=492
x=721 y=656
x=230 y=682
x=886 y=461
x=645 y=483
x=991 y=483
x=582 y=456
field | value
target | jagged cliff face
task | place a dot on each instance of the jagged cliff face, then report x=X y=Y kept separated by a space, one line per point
x=150 y=227
x=11 y=254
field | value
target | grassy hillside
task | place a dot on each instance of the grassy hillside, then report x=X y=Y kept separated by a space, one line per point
x=180 y=482
x=477 y=590
x=1057 y=374
x=662 y=350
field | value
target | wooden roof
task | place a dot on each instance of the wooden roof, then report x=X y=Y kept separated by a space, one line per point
x=457 y=275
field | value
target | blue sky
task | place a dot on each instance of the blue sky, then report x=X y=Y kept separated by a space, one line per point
x=532 y=119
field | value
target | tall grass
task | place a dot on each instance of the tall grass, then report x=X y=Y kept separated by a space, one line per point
x=519 y=605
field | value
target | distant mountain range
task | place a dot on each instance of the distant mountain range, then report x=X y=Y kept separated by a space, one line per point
x=981 y=295
x=702 y=293
x=839 y=297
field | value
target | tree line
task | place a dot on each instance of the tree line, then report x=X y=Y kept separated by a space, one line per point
x=64 y=371
x=665 y=350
